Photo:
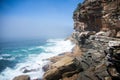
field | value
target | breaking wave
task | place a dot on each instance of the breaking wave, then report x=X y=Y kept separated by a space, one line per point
x=31 y=64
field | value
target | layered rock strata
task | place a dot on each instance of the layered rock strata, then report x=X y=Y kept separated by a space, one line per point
x=96 y=55
x=98 y=15
x=67 y=66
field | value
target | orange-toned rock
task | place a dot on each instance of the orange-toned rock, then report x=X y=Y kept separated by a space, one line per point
x=90 y=60
x=66 y=67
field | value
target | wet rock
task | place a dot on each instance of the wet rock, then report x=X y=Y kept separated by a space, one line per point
x=22 y=77
x=45 y=67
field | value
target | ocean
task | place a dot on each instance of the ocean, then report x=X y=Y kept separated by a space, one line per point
x=17 y=57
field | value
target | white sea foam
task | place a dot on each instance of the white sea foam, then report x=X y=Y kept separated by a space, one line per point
x=24 y=50
x=38 y=47
x=34 y=62
x=9 y=59
x=1 y=57
x=6 y=57
x=15 y=51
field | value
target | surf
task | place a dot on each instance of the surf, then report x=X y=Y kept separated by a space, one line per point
x=33 y=62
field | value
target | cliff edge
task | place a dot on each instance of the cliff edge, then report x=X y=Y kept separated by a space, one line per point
x=96 y=55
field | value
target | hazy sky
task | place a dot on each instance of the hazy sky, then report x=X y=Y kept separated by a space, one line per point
x=36 y=18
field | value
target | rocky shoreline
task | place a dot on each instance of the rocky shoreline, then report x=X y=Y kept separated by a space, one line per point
x=97 y=42
x=96 y=55
x=91 y=63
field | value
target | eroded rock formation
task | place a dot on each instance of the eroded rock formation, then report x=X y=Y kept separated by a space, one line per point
x=98 y=15
x=65 y=67
x=96 y=55
x=97 y=39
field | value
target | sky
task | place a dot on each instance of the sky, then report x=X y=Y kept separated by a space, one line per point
x=27 y=19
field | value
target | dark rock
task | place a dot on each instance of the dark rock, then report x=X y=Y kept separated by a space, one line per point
x=22 y=77
x=45 y=67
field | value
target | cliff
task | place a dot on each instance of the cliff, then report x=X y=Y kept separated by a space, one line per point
x=98 y=15
x=96 y=55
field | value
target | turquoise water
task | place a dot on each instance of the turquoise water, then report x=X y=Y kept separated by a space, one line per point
x=16 y=52
x=16 y=57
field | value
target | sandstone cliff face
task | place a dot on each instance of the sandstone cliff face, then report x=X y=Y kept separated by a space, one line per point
x=96 y=55
x=98 y=15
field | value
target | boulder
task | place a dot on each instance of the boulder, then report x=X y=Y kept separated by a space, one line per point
x=114 y=43
x=22 y=77
x=66 y=67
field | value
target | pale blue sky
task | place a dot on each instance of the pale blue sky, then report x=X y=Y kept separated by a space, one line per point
x=36 y=18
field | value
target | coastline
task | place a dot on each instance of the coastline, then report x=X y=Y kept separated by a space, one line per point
x=34 y=57
x=96 y=53
x=97 y=42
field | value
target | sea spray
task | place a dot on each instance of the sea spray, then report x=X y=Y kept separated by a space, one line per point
x=32 y=63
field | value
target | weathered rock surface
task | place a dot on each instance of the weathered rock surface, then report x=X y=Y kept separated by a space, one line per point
x=97 y=39
x=22 y=77
x=96 y=55
x=98 y=15
x=65 y=67
x=118 y=34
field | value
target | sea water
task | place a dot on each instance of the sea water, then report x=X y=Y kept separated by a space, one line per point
x=16 y=57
